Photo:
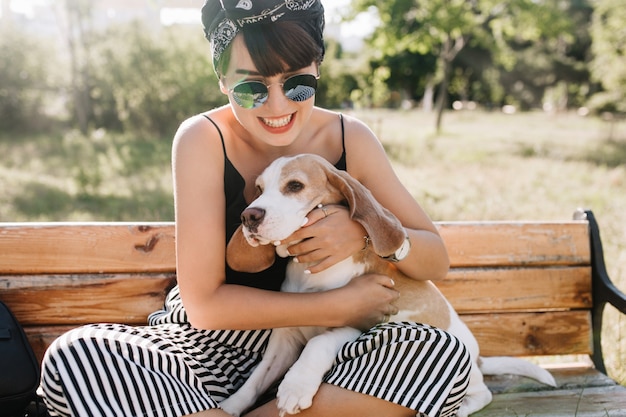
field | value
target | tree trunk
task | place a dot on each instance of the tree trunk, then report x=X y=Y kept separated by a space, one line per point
x=442 y=94
x=73 y=31
x=449 y=51
x=429 y=95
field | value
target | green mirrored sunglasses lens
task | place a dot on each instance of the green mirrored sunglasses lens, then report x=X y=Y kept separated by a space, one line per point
x=250 y=94
x=300 y=87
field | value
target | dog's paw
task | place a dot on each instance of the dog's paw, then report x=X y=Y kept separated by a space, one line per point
x=232 y=406
x=462 y=412
x=296 y=393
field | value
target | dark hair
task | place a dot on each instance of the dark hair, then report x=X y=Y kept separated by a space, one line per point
x=278 y=47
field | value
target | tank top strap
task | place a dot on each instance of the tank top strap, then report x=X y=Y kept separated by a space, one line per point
x=220 y=133
x=342 y=163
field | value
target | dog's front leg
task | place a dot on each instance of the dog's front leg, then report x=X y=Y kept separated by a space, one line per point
x=282 y=350
x=301 y=383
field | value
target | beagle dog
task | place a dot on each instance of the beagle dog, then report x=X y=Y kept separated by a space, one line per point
x=289 y=189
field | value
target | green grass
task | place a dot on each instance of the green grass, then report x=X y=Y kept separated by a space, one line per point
x=531 y=166
x=78 y=178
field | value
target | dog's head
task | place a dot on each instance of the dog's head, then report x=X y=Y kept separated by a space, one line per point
x=293 y=186
x=287 y=190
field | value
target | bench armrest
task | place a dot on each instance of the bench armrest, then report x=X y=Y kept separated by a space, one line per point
x=604 y=291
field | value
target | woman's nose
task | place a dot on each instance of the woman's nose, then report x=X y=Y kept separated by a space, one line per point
x=276 y=98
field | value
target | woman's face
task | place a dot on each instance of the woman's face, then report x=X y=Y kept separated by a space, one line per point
x=279 y=120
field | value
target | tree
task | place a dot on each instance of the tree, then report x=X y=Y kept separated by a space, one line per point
x=609 y=62
x=74 y=17
x=445 y=27
x=25 y=83
x=149 y=82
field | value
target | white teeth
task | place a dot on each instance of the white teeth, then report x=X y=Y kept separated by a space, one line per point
x=283 y=121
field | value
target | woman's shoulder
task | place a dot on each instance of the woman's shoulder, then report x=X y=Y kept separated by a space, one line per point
x=201 y=121
x=350 y=125
x=200 y=134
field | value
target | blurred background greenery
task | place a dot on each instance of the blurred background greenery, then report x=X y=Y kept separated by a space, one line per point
x=488 y=109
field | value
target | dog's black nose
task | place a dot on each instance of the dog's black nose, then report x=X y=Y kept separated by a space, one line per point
x=252 y=217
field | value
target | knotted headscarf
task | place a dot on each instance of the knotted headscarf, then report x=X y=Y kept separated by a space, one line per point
x=223 y=19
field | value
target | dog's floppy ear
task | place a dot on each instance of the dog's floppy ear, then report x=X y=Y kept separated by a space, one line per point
x=242 y=257
x=384 y=229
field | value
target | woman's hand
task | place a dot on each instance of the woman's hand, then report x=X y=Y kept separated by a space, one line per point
x=329 y=236
x=368 y=300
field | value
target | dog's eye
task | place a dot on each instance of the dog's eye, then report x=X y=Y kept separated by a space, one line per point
x=294 y=186
x=259 y=190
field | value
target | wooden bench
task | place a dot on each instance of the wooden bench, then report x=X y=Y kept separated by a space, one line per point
x=524 y=288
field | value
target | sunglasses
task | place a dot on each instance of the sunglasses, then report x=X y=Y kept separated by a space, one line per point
x=253 y=94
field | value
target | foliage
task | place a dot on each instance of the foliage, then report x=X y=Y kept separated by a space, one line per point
x=340 y=77
x=443 y=29
x=131 y=78
x=149 y=83
x=24 y=81
x=609 y=62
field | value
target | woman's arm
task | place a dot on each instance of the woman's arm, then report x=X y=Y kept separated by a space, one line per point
x=198 y=169
x=428 y=257
x=338 y=238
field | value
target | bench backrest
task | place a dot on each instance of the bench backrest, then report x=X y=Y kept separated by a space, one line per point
x=524 y=288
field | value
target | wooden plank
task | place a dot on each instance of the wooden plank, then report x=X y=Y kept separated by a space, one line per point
x=566 y=377
x=578 y=402
x=121 y=247
x=486 y=290
x=78 y=299
x=529 y=334
x=475 y=244
x=60 y=248
x=470 y=291
x=519 y=334
x=40 y=337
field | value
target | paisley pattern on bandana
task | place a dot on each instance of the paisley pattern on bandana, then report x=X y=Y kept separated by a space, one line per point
x=222 y=27
x=299 y=4
x=222 y=37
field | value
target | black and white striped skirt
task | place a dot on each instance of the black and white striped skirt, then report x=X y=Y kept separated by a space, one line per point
x=169 y=368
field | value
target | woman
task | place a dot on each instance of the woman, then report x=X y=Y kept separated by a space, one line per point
x=267 y=55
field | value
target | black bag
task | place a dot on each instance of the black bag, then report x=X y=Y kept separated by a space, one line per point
x=19 y=368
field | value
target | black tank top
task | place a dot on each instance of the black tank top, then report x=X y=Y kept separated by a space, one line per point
x=234 y=184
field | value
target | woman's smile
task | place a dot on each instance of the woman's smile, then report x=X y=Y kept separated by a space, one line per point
x=278 y=124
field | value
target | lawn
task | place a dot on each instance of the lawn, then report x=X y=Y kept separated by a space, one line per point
x=531 y=166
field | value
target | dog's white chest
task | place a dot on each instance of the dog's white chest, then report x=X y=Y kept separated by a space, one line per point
x=338 y=275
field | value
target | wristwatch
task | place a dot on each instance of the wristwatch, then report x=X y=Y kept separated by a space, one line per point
x=401 y=252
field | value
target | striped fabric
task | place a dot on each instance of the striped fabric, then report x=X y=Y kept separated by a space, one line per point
x=169 y=368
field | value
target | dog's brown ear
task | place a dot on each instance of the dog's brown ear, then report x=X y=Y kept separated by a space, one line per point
x=384 y=229
x=243 y=257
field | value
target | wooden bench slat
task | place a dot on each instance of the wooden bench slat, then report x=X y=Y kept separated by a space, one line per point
x=570 y=376
x=516 y=243
x=518 y=289
x=68 y=299
x=40 y=337
x=514 y=334
x=65 y=299
x=60 y=248
x=31 y=248
x=579 y=402
x=530 y=334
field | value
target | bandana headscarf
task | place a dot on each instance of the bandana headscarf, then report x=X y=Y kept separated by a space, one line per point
x=222 y=19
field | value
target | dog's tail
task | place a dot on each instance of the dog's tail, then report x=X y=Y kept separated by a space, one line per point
x=500 y=365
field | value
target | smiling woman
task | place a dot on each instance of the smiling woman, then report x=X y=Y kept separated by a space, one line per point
x=213 y=329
